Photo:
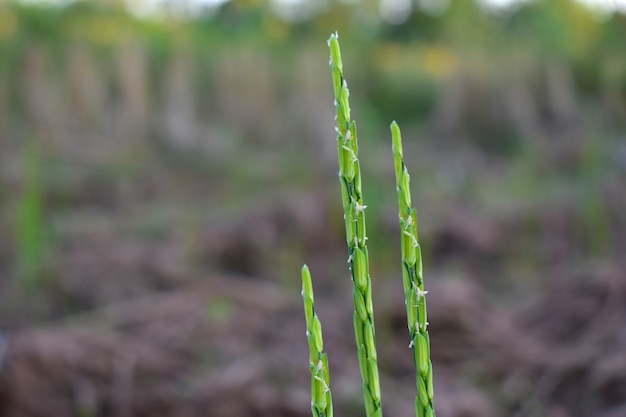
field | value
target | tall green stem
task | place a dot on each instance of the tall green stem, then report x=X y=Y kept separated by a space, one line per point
x=413 y=281
x=354 y=214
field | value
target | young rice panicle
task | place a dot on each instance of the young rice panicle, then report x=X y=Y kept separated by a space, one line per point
x=356 y=238
x=413 y=281
x=321 y=400
x=354 y=214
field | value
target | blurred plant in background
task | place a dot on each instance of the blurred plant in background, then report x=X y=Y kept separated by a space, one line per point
x=522 y=88
x=31 y=240
x=180 y=146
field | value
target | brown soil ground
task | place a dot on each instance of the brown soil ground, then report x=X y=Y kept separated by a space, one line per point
x=138 y=339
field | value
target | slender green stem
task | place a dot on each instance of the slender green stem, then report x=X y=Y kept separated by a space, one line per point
x=413 y=281
x=321 y=400
x=354 y=214
x=30 y=222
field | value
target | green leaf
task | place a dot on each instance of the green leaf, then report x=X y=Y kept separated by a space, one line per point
x=374 y=382
x=422 y=394
x=370 y=341
x=421 y=353
x=359 y=265
x=362 y=353
x=359 y=307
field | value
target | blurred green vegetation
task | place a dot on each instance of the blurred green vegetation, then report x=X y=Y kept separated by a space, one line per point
x=140 y=153
x=30 y=226
x=148 y=119
x=398 y=68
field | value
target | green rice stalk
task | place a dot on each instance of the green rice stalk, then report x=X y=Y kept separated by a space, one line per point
x=413 y=281
x=321 y=400
x=354 y=214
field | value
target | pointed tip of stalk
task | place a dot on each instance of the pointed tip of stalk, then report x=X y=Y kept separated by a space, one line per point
x=306 y=274
x=335 y=53
x=396 y=137
x=307 y=286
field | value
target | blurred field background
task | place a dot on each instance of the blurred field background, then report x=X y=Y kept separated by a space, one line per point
x=164 y=173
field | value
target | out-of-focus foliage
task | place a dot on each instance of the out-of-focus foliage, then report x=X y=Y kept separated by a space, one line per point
x=95 y=82
x=30 y=227
x=399 y=67
x=143 y=154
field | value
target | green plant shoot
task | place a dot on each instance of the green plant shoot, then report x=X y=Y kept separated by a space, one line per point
x=413 y=281
x=354 y=214
x=321 y=400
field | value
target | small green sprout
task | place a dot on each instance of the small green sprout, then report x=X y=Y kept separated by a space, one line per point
x=321 y=400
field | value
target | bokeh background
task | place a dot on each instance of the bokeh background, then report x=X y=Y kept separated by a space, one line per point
x=165 y=170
